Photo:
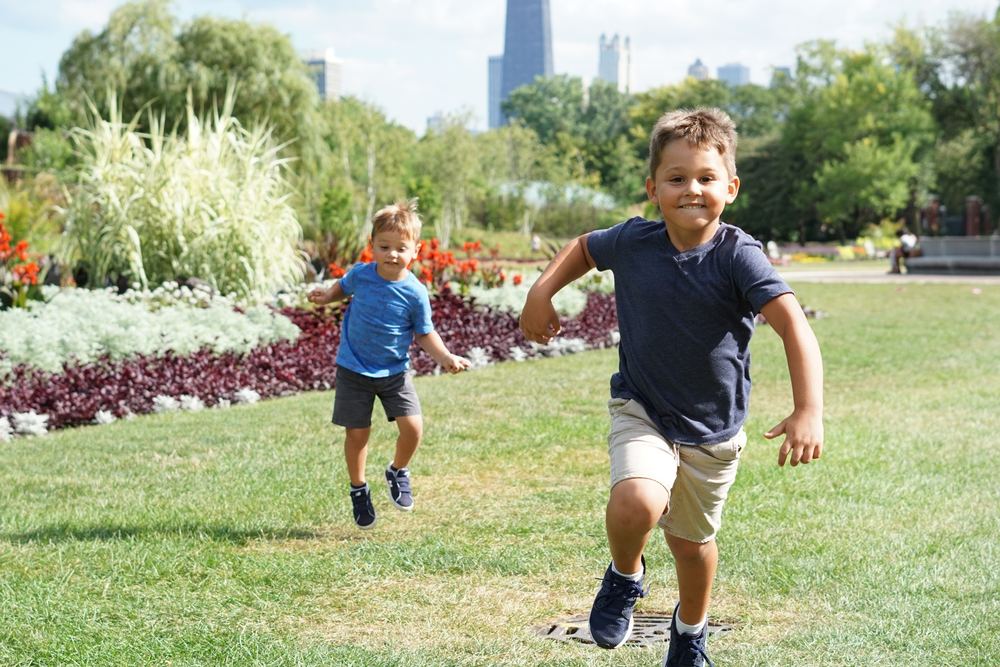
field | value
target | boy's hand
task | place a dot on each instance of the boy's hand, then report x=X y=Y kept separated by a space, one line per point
x=803 y=431
x=539 y=320
x=320 y=296
x=455 y=364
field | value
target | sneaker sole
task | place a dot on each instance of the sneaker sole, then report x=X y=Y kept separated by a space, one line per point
x=628 y=633
x=369 y=526
x=397 y=505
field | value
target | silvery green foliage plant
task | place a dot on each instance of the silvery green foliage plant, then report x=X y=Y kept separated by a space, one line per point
x=212 y=204
x=80 y=326
x=568 y=302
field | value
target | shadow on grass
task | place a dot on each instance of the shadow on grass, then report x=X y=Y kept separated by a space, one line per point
x=217 y=533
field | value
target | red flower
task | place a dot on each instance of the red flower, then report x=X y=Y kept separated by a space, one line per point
x=336 y=271
x=26 y=274
x=517 y=279
x=366 y=256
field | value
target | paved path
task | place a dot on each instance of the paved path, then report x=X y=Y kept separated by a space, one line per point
x=877 y=276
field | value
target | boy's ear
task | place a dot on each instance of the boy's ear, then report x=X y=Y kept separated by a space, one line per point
x=650 y=189
x=733 y=190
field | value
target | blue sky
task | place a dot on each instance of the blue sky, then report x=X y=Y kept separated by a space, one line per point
x=416 y=58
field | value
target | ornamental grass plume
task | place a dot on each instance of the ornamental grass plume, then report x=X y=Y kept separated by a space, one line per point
x=212 y=204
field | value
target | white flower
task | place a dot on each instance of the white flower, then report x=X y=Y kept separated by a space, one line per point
x=6 y=432
x=478 y=357
x=246 y=395
x=104 y=417
x=165 y=404
x=615 y=337
x=223 y=403
x=518 y=354
x=30 y=423
x=191 y=403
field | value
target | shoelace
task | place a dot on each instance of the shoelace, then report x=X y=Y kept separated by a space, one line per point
x=625 y=591
x=693 y=648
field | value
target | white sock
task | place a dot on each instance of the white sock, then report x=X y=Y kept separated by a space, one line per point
x=685 y=629
x=634 y=577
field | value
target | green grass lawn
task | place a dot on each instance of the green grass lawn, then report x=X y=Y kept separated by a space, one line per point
x=225 y=537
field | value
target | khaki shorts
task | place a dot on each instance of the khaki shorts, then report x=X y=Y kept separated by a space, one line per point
x=697 y=478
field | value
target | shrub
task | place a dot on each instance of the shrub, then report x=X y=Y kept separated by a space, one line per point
x=211 y=204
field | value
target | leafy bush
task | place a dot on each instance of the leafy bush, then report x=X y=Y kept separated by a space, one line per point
x=212 y=204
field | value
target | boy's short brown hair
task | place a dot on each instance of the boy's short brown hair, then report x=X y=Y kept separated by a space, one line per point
x=705 y=127
x=400 y=217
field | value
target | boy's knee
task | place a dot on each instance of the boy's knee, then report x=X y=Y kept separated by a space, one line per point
x=643 y=500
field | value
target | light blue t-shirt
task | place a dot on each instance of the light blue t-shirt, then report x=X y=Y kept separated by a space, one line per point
x=686 y=319
x=381 y=320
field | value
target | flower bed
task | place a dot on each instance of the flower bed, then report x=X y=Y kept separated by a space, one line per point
x=99 y=390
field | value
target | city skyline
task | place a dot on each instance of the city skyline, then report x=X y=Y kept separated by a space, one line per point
x=393 y=52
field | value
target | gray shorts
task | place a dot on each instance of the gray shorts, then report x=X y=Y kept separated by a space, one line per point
x=355 y=394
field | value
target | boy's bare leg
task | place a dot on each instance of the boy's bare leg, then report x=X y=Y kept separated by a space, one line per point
x=356 y=453
x=411 y=430
x=633 y=510
x=696 y=564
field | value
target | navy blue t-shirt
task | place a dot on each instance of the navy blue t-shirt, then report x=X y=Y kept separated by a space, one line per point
x=686 y=319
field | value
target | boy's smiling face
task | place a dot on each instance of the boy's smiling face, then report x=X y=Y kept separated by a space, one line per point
x=691 y=187
x=393 y=252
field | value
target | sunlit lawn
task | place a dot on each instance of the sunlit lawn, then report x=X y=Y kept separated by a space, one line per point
x=225 y=537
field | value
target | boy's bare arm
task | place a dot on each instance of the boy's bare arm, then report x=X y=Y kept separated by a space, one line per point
x=539 y=320
x=432 y=344
x=323 y=296
x=803 y=429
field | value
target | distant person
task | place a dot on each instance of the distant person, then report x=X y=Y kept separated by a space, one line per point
x=536 y=243
x=687 y=289
x=389 y=308
x=907 y=248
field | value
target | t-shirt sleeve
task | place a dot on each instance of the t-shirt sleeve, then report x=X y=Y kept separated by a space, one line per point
x=756 y=279
x=420 y=314
x=348 y=281
x=601 y=246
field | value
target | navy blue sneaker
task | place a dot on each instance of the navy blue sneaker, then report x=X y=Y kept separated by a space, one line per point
x=687 y=650
x=399 y=487
x=611 y=615
x=364 y=511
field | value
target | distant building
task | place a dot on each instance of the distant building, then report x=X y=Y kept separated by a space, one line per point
x=527 y=47
x=779 y=74
x=734 y=74
x=436 y=122
x=614 y=63
x=325 y=70
x=698 y=70
x=495 y=77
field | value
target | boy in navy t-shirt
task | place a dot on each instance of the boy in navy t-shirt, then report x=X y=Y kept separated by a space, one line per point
x=687 y=290
x=389 y=309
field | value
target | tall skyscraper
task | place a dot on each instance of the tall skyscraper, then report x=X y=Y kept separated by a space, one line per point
x=614 y=63
x=325 y=71
x=698 y=70
x=495 y=76
x=527 y=46
x=734 y=74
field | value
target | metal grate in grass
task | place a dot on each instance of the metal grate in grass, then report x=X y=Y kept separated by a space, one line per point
x=648 y=630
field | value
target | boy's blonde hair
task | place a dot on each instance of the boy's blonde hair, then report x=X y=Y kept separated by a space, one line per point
x=704 y=127
x=400 y=217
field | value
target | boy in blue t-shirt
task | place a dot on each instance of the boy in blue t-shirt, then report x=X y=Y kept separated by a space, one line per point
x=687 y=290
x=389 y=309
